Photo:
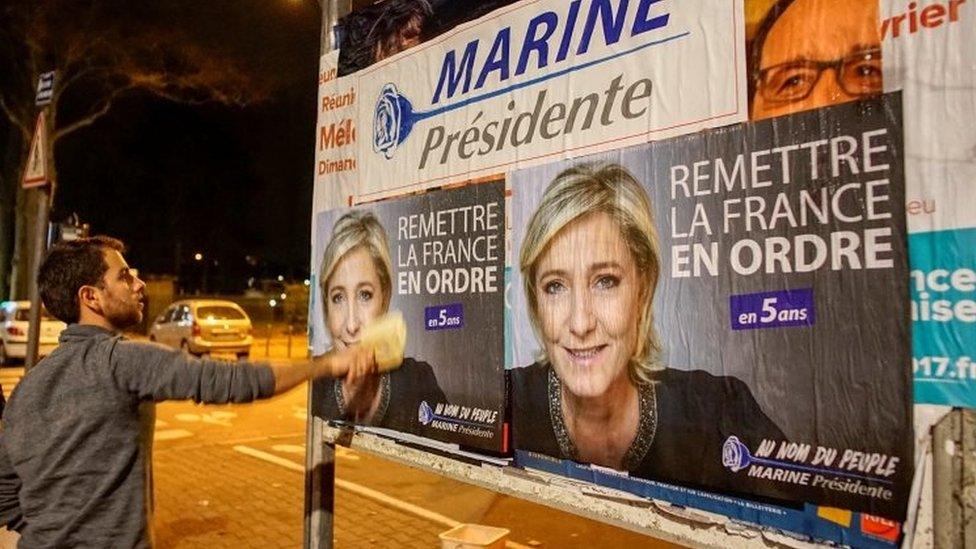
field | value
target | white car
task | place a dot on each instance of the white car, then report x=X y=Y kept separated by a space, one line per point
x=204 y=327
x=14 y=326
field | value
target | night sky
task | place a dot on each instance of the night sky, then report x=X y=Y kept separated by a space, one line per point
x=172 y=179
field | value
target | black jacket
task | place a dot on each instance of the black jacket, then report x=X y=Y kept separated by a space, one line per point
x=695 y=413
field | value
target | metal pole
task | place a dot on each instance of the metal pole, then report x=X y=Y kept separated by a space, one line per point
x=43 y=195
x=40 y=244
x=967 y=481
x=319 y=453
x=953 y=476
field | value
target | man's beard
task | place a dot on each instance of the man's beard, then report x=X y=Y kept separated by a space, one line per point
x=123 y=316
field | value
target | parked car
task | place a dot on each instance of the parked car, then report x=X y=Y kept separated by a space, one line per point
x=204 y=327
x=14 y=325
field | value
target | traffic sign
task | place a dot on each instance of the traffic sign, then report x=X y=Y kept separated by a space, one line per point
x=45 y=89
x=35 y=173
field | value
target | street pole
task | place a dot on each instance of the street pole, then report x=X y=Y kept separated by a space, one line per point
x=43 y=198
x=953 y=476
x=320 y=454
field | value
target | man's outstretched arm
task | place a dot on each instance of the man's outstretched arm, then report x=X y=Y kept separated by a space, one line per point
x=154 y=372
x=355 y=361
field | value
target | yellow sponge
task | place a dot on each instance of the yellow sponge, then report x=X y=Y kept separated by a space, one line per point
x=387 y=336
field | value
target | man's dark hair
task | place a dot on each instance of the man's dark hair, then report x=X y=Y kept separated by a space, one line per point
x=754 y=61
x=67 y=267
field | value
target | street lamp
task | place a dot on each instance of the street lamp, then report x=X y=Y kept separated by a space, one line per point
x=198 y=256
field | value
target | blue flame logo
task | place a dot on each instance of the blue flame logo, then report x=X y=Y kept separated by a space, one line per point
x=392 y=121
x=735 y=455
x=424 y=413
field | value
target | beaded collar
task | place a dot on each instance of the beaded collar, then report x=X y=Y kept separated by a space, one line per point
x=380 y=409
x=646 y=429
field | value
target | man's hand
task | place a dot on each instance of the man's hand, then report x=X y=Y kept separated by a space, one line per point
x=357 y=361
x=353 y=363
x=361 y=396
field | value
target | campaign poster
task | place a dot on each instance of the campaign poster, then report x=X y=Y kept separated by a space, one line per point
x=929 y=49
x=525 y=84
x=438 y=258
x=727 y=311
x=809 y=54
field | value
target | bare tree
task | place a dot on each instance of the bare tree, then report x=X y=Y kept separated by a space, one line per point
x=101 y=50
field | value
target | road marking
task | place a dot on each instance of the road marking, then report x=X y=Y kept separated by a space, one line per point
x=172 y=434
x=368 y=493
x=270 y=458
x=219 y=418
x=289 y=449
x=214 y=418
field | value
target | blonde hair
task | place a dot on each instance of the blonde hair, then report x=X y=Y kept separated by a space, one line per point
x=354 y=230
x=605 y=188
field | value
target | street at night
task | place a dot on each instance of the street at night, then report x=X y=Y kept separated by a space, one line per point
x=475 y=274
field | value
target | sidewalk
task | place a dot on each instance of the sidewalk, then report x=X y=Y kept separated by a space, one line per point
x=212 y=496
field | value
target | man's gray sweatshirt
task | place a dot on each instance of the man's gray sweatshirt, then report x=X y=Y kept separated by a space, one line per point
x=72 y=432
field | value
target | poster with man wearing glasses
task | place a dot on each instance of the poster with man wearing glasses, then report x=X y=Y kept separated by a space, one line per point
x=808 y=54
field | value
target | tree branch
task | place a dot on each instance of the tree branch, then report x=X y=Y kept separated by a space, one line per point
x=91 y=117
x=70 y=77
x=25 y=130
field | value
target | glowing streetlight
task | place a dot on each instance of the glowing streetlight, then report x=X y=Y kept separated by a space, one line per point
x=272 y=303
x=198 y=256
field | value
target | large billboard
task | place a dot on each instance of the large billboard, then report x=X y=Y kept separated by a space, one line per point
x=804 y=168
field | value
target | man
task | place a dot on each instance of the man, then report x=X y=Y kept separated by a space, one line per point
x=74 y=428
x=814 y=53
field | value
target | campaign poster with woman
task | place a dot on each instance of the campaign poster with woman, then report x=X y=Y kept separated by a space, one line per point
x=725 y=311
x=438 y=259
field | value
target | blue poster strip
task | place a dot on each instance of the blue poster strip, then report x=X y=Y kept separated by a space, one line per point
x=860 y=530
x=943 y=290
